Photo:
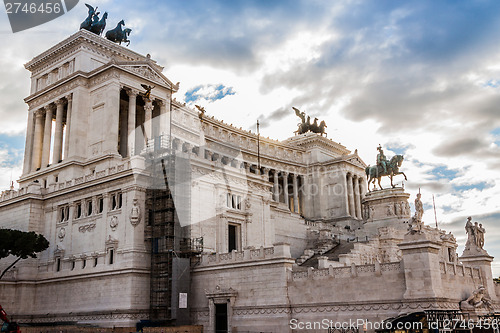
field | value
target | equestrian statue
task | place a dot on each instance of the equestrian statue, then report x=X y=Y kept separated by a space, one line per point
x=306 y=126
x=384 y=168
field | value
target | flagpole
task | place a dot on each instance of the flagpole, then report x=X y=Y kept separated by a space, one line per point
x=258 y=145
x=435 y=216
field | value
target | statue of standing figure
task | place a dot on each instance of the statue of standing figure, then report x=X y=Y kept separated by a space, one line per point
x=416 y=221
x=475 y=234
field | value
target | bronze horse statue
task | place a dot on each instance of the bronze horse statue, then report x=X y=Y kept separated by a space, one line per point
x=306 y=126
x=377 y=171
x=119 y=35
x=98 y=27
x=87 y=24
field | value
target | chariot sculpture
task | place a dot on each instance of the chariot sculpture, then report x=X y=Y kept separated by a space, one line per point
x=92 y=23
x=305 y=125
x=95 y=25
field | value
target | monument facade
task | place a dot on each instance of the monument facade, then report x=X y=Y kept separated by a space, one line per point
x=291 y=234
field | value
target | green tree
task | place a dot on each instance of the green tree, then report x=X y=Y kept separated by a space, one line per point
x=20 y=244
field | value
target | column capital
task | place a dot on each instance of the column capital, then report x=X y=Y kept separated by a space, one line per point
x=40 y=112
x=59 y=102
x=285 y=173
x=132 y=92
x=51 y=107
x=69 y=97
x=161 y=101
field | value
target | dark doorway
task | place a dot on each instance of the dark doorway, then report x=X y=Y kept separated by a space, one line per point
x=221 y=318
x=232 y=238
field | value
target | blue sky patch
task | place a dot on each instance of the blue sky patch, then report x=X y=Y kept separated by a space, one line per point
x=442 y=172
x=14 y=145
x=210 y=92
x=478 y=186
x=492 y=83
x=398 y=148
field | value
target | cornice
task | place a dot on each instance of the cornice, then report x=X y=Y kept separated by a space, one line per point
x=78 y=38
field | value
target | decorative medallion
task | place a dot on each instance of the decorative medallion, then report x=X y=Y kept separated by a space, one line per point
x=113 y=223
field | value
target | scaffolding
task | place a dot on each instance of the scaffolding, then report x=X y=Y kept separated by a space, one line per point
x=172 y=250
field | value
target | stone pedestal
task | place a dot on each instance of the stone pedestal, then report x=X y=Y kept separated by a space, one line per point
x=476 y=257
x=386 y=208
x=421 y=265
x=387 y=204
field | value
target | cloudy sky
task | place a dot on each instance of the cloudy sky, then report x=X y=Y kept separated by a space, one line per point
x=421 y=78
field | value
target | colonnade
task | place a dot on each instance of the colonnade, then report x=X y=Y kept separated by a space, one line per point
x=355 y=186
x=281 y=191
x=39 y=135
x=153 y=127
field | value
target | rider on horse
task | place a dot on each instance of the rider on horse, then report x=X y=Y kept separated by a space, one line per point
x=381 y=159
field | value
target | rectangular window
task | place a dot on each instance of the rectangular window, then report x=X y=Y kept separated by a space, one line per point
x=73 y=263
x=78 y=210
x=62 y=214
x=116 y=200
x=89 y=207
x=95 y=261
x=58 y=264
x=233 y=238
x=111 y=256
x=233 y=201
x=66 y=213
x=100 y=205
x=84 y=263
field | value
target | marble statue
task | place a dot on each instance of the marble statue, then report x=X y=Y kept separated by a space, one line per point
x=477 y=300
x=416 y=223
x=475 y=235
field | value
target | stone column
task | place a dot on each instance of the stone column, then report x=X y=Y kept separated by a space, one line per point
x=345 y=195
x=285 y=188
x=69 y=109
x=37 y=140
x=164 y=118
x=359 y=180
x=132 y=102
x=295 y=194
x=265 y=173
x=357 y=197
x=148 y=123
x=58 y=135
x=28 y=150
x=47 y=133
x=350 y=194
x=276 y=187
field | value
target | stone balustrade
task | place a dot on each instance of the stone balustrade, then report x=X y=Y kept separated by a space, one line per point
x=376 y=269
x=35 y=188
x=453 y=270
x=278 y=251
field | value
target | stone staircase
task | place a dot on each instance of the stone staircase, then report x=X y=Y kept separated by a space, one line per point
x=310 y=257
